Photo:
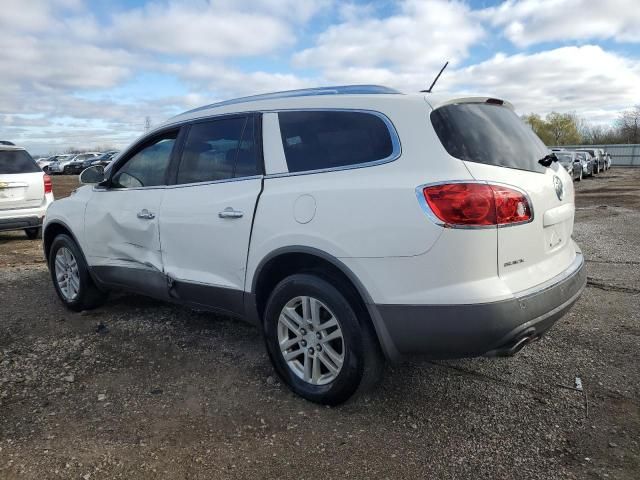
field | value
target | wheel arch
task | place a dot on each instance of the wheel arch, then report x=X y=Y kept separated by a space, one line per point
x=286 y=261
x=51 y=231
x=58 y=227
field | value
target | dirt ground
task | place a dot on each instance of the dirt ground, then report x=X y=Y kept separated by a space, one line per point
x=141 y=389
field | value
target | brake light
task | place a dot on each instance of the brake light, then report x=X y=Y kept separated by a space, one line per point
x=477 y=204
x=48 y=186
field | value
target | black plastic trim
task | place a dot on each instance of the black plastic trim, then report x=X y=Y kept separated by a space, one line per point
x=19 y=223
x=210 y=297
x=145 y=281
x=455 y=331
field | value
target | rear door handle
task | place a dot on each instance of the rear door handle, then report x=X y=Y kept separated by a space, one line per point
x=229 y=212
x=146 y=214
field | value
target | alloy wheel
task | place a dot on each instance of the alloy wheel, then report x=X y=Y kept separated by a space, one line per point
x=311 y=340
x=67 y=274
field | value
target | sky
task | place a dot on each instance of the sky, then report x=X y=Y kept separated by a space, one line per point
x=87 y=74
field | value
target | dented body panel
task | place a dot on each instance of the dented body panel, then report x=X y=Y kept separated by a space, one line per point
x=115 y=233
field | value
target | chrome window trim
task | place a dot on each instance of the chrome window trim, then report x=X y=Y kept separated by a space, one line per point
x=396 y=150
x=214 y=182
x=396 y=146
x=434 y=218
x=181 y=185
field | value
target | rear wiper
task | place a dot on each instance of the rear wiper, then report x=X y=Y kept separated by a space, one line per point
x=547 y=160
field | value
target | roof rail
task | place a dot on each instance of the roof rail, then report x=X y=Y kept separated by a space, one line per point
x=306 y=92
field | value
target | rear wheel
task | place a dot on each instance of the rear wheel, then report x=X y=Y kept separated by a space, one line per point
x=317 y=343
x=33 y=233
x=71 y=277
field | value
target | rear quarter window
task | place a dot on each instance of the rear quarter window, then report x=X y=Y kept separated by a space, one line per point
x=489 y=134
x=17 y=161
x=318 y=140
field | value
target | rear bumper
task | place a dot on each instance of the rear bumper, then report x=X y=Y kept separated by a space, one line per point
x=453 y=331
x=21 y=218
x=20 y=223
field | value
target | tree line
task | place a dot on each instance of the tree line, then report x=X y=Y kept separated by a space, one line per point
x=570 y=129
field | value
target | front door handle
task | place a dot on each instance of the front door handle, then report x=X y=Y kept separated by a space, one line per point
x=229 y=212
x=146 y=214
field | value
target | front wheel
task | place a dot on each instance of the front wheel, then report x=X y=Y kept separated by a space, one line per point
x=70 y=275
x=316 y=341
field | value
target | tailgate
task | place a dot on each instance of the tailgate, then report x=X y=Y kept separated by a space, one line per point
x=22 y=190
x=498 y=148
x=534 y=252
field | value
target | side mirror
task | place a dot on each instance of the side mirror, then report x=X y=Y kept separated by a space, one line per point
x=92 y=175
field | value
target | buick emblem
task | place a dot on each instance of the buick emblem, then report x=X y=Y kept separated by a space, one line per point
x=557 y=184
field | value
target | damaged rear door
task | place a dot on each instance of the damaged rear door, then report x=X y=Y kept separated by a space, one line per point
x=121 y=220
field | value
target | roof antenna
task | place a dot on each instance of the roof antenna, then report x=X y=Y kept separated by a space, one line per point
x=436 y=79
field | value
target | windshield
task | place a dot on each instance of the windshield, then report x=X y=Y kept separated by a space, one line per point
x=17 y=161
x=489 y=134
x=564 y=157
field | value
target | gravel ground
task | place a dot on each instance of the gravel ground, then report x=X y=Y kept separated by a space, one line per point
x=141 y=389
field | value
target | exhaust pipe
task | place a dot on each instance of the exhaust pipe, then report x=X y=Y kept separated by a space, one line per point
x=515 y=346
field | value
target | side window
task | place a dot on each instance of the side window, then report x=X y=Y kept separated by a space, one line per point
x=315 y=140
x=218 y=150
x=247 y=161
x=147 y=167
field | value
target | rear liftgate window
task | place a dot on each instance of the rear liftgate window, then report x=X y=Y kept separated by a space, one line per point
x=489 y=134
x=17 y=161
x=316 y=140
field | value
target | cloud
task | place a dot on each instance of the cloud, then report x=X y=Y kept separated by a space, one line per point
x=528 y=22
x=220 y=29
x=226 y=82
x=411 y=44
x=587 y=80
x=32 y=15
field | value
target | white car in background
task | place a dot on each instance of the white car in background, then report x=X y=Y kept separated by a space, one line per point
x=57 y=166
x=349 y=224
x=44 y=163
x=25 y=192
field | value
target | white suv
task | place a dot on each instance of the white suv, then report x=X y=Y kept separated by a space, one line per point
x=350 y=224
x=25 y=191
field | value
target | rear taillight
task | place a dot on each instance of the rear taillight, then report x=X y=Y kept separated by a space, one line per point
x=48 y=186
x=477 y=204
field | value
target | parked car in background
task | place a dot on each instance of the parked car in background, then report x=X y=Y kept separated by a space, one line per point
x=25 y=191
x=57 y=166
x=105 y=159
x=257 y=215
x=608 y=159
x=6 y=142
x=44 y=163
x=588 y=163
x=598 y=158
x=77 y=163
x=572 y=164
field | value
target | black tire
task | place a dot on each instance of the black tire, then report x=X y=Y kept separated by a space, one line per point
x=89 y=295
x=363 y=361
x=33 y=233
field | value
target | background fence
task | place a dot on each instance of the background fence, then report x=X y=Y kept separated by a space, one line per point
x=622 y=155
